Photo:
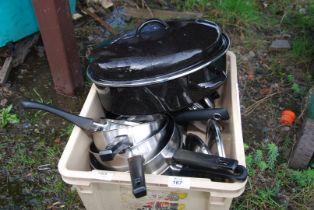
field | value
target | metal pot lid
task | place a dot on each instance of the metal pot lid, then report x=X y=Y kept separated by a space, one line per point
x=157 y=52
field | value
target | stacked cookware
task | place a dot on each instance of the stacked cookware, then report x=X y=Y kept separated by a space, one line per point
x=153 y=82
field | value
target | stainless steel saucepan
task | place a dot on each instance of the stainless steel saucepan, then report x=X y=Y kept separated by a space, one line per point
x=108 y=132
x=116 y=157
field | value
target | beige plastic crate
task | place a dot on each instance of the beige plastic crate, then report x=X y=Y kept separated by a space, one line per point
x=111 y=190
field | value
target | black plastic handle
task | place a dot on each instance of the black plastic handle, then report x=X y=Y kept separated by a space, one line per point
x=136 y=168
x=213 y=84
x=201 y=114
x=111 y=150
x=200 y=160
x=82 y=122
x=150 y=21
x=240 y=173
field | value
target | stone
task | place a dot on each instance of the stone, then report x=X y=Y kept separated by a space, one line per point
x=251 y=54
x=280 y=44
x=3 y=102
x=40 y=51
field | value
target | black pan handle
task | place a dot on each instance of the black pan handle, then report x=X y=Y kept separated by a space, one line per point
x=83 y=122
x=136 y=168
x=202 y=114
x=200 y=160
x=240 y=173
x=111 y=150
x=212 y=84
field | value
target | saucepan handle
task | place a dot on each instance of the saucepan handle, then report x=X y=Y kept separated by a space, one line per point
x=82 y=122
x=200 y=160
x=136 y=168
x=212 y=84
x=201 y=114
x=240 y=173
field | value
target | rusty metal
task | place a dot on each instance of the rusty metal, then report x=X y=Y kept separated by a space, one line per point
x=56 y=28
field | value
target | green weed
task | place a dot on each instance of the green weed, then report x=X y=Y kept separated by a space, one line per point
x=303 y=48
x=286 y=143
x=246 y=146
x=295 y=87
x=309 y=77
x=273 y=154
x=41 y=99
x=267 y=195
x=258 y=155
x=53 y=153
x=302 y=178
x=6 y=116
x=66 y=131
x=299 y=47
x=250 y=165
x=259 y=160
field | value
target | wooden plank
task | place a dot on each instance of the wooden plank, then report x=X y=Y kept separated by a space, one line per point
x=303 y=150
x=18 y=55
x=57 y=32
x=5 y=70
x=162 y=14
x=98 y=19
x=23 y=47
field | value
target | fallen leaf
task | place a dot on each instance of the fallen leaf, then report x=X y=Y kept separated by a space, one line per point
x=265 y=91
x=3 y=102
x=29 y=174
x=251 y=75
x=242 y=37
x=250 y=71
x=57 y=140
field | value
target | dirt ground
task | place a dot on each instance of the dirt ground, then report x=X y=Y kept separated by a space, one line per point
x=29 y=150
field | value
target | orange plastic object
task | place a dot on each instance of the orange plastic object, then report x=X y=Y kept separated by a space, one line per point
x=287 y=117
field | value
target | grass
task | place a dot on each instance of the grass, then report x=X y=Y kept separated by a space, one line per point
x=40 y=99
x=300 y=18
x=66 y=131
x=192 y=4
x=303 y=48
x=237 y=12
x=36 y=189
x=28 y=184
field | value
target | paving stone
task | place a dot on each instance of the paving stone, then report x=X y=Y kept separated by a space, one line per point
x=280 y=44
